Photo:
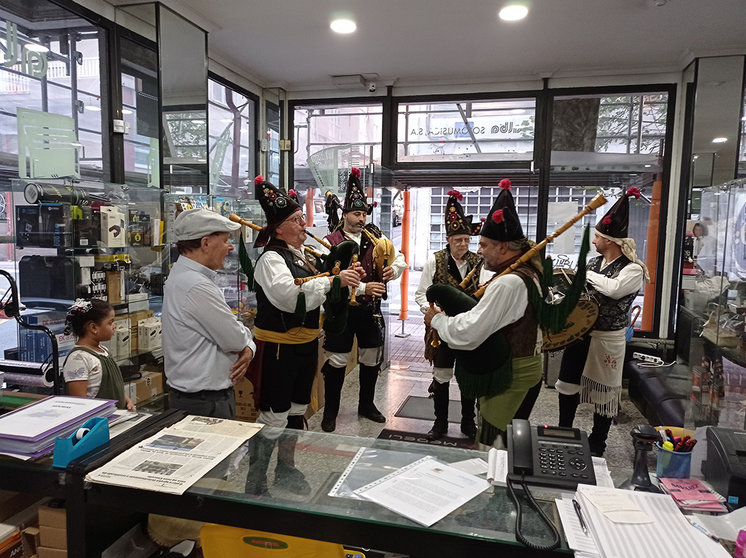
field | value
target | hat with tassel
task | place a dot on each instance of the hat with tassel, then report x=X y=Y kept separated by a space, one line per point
x=616 y=221
x=277 y=206
x=355 y=198
x=456 y=221
x=502 y=221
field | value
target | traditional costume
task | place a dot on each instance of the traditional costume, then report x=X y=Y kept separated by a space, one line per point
x=442 y=268
x=505 y=308
x=591 y=370
x=287 y=340
x=364 y=320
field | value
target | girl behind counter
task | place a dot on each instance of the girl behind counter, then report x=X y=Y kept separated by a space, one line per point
x=89 y=370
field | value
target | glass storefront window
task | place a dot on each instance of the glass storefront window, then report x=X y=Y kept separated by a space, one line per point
x=608 y=144
x=140 y=112
x=232 y=124
x=476 y=130
x=51 y=66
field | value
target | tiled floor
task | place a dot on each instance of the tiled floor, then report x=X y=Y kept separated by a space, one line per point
x=410 y=374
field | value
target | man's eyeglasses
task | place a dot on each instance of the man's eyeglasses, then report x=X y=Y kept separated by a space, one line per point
x=299 y=220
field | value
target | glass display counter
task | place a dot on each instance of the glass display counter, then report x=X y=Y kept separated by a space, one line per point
x=710 y=323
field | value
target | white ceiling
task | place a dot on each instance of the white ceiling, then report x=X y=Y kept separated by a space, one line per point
x=288 y=43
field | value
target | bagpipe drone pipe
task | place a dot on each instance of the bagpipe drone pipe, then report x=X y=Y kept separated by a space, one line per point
x=487 y=370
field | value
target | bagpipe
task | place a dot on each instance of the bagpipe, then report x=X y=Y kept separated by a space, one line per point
x=384 y=252
x=339 y=257
x=487 y=370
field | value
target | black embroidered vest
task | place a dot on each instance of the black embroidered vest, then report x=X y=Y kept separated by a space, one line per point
x=365 y=258
x=613 y=314
x=269 y=317
x=446 y=270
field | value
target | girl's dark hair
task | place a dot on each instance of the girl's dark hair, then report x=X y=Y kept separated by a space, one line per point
x=83 y=312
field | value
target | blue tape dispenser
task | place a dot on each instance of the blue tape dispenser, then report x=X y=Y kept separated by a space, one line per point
x=92 y=434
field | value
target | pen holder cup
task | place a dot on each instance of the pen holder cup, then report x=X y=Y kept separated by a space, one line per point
x=673 y=464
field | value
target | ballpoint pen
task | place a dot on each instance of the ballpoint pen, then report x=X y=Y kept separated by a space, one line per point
x=580 y=516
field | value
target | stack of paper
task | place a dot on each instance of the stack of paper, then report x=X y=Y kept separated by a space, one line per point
x=627 y=524
x=30 y=430
x=693 y=495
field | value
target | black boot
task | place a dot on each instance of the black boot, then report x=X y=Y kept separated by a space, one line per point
x=365 y=407
x=568 y=404
x=260 y=450
x=468 y=428
x=440 y=404
x=333 y=380
x=286 y=474
x=597 y=438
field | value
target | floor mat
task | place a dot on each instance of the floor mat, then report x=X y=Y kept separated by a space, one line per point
x=417 y=407
x=401 y=436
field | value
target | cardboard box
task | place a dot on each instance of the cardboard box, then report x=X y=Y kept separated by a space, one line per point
x=147 y=387
x=53 y=514
x=245 y=409
x=30 y=538
x=12 y=503
x=45 y=552
x=53 y=537
x=114 y=286
x=113 y=227
x=135 y=319
x=149 y=335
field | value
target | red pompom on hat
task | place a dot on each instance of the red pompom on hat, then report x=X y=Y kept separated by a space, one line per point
x=606 y=220
x=456 y=194
x=633 y=192
x=291 y=192
x=355 y=172
x=498 y=216
x=259 y=179
x=505 y=184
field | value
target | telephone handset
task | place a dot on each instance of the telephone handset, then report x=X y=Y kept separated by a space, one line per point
x=549 y=455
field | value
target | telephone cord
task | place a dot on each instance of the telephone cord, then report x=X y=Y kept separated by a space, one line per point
x=518 y=516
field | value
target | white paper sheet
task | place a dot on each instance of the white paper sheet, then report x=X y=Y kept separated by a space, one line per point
x=425 y=491
x=576 y=538
x=724 y=526
x=474 y=466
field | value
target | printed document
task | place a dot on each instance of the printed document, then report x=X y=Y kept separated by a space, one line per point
x=176 y=457
x=425 y=491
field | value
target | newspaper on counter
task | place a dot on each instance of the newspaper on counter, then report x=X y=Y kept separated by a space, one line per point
x=176 y=457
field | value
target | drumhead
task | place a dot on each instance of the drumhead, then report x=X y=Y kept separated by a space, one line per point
x=581 y=319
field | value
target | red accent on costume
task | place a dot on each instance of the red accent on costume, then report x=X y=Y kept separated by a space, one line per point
x=291 y=192
x=355 y=172
x=505 y=184
x=606 y=220
x=497 y=216
x=456 y=194
x=634 y=192
x=259 y=179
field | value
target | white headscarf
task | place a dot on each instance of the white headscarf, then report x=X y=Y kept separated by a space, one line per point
x=628 y=247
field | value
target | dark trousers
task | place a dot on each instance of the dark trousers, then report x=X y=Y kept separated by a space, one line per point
x=217 y=404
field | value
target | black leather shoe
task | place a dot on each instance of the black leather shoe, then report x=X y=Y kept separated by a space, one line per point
x=328 y=424
x=371 y=413
x=469 y=429
x=291 y=479
x=438 y=430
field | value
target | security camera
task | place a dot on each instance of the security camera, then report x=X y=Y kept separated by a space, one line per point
x=372 y=86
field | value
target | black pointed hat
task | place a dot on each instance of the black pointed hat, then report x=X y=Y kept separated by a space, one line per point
x=355 y=198
x=502 y=221
x=277 y=205
x=331 y=208
x=456 y=221
x=616 y=221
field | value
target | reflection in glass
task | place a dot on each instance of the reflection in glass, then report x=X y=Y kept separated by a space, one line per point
x=496 y=130
x=183 y=63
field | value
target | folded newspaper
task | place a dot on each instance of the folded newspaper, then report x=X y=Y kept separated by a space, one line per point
x=176 y=457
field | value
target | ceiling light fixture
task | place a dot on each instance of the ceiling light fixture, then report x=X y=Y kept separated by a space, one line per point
x=719 y=140
x=93 y=108
x=513 y=12
x=343 y=26
x=126 y=111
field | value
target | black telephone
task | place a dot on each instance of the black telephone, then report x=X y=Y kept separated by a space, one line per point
x=549 y=455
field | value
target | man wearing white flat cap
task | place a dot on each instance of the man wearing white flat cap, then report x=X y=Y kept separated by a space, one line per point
x=205 y=348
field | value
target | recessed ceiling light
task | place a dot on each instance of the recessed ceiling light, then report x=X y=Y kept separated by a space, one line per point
x=93 y=108
x=126 y=111
x=513 y=12
x=33 y=47
x=719 y=140
x=648 y=166
x=343 y=26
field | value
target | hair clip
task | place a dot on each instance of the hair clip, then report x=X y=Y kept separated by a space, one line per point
x=81 y=305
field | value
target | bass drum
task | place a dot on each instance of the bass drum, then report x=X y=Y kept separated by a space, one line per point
x=581 y=319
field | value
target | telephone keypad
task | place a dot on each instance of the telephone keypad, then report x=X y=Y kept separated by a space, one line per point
x=562 y=461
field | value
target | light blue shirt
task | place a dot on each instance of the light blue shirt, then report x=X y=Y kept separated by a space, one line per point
x=200 y=333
